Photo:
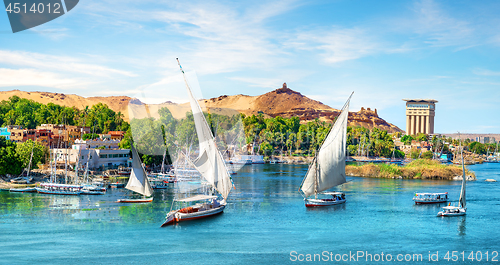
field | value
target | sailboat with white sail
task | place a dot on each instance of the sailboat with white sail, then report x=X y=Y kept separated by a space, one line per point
x=138 y=181
x=461 y=209
x=328 y=167
x=210 y=164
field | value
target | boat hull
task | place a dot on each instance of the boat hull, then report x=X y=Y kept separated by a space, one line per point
x=322 y=202
x=22 y=190
x=145 y=200
x=176 y=216
x=445 y=214
x=430 y=202
x=57 y=192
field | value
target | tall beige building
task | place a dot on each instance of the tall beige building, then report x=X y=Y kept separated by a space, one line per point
x=420 y=116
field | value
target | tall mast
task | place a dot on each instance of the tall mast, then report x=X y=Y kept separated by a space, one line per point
x=462 y=191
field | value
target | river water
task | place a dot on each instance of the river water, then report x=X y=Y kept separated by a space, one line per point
x=265 y=222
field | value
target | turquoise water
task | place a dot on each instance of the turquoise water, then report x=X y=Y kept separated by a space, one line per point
x=265 y=221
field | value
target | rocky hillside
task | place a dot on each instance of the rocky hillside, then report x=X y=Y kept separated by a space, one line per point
x=287 y=103
x=282 y=102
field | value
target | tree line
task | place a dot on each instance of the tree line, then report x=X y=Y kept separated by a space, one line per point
x=30 y=114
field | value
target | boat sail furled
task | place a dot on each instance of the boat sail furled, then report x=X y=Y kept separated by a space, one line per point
x=461 y=201
x=328 y=167
x=210 y=162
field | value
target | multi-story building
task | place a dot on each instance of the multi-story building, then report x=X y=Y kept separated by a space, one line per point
x=116 y=135
x=420 y=116
x=90 y=150
x=98 y=143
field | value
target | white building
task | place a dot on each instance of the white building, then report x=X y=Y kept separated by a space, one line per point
x=99 y=154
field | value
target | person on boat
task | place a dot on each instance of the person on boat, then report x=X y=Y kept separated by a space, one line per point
x=215 y=203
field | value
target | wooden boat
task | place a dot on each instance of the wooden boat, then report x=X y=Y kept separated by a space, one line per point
x=211 y=166
x=140 y=200
x=461 y=209
x=26 y=189
x=429 y=198
x=336 y=198
x=209 y=206
x=328 y=167
x=138 y=181
x=59 y=189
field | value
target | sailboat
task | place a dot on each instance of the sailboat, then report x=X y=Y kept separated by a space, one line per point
x=54 y=188
x=210 y=164
x=25 y=180
x=460 y=209
x=328 y=167
x=138 y=181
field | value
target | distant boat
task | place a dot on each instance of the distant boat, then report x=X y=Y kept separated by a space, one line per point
x=26 y=189
x=328 y=167
x=429 y=198
x=461 y=209
x=28 y=179
x=138 y=181
x=210 y=164
x=54 y=188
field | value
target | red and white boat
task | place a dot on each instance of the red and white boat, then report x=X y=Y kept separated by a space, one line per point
x=206 y=206
x=429 y=198
x=328 y=167
x=211 y=166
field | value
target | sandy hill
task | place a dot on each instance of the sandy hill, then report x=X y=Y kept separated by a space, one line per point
x=287 y=103
x=282 y=102
x=116 y=103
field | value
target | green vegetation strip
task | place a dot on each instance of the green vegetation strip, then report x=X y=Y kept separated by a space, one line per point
x=417 y=169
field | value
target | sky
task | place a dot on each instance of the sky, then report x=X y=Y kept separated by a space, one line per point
x=384 y=51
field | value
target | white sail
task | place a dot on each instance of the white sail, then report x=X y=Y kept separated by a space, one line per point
x=461 y=201
x=328 y=167
x=210 y=162
x=138 y=180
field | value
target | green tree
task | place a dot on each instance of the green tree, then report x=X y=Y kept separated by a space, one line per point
x=9 y=159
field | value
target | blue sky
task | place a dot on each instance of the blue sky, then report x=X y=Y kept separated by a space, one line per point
x=383 y=50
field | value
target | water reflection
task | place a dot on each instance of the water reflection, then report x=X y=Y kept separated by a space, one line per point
x=461 y=225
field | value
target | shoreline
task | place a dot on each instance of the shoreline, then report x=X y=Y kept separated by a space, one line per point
x=418 y=169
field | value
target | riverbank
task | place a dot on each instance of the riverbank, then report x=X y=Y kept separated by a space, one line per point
x=417 y=169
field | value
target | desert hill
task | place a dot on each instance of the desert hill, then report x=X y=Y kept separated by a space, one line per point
x=116 y=103
x=287 y=103
x=282 y=102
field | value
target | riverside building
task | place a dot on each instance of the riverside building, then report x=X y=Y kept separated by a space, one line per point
x=420 y=116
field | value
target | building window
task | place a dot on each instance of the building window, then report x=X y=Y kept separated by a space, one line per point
x=103 y=156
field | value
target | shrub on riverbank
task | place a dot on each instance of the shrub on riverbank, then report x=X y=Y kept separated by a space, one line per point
x=417 y=169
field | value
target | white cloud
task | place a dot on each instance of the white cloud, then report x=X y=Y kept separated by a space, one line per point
x=439 y=28
x=30 y=77
x=44 y=62
x=485 y=72
x=338 y=44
